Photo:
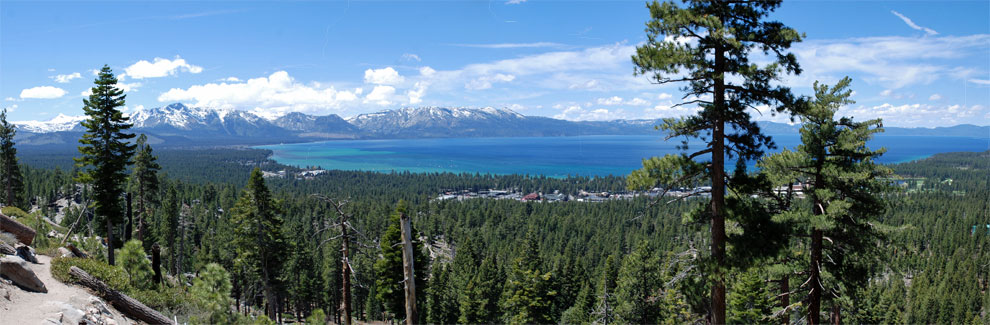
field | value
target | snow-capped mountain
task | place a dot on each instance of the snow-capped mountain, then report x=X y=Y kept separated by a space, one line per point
x=440 y=122
x=60 y=123
x=180 y=120
x=310 y=126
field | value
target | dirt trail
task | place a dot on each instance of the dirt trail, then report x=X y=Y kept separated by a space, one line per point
x=29 y=308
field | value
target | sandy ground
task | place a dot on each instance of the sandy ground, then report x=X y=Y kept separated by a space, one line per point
x=29 y=308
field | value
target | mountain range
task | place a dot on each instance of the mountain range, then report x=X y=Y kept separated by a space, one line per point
x=181 y=125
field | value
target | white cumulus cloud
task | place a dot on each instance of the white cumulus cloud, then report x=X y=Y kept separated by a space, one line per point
x=385 y=76
x=278 y=93
x=416 y=94
x=160 y=67
x=380 y=95
x=43 y=92
x=427 y=71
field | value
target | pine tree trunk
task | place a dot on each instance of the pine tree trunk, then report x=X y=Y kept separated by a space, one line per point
x=130 y=220
x=408 y=269
x=141 y=212
x=110 y=259
x=346 y=275
x=815 y=298
x=156 y=263
x=785 y=299
x=718 y=192
x=180 y=254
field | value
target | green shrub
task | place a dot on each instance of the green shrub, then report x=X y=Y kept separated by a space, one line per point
x=263 y=320
x=317 y=317
x=12 y=211
x=114 y=276
x=211 y=293
x=137 y=265
x=168 y=300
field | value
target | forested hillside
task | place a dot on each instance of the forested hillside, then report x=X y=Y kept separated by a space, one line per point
x=570 y=257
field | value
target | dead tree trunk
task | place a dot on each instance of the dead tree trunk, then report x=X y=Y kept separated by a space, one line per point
x=346 y=274
x=345 y=263
x=127 y=305
x=130 y=220
x=408 y=270
x=24 y=234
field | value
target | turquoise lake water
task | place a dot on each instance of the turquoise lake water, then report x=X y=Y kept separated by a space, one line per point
x=549 y=156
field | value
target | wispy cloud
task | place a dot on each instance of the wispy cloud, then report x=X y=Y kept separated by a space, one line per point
x=205 y=14
x=511 y=45
x=514 y=2
x=911 y=23
x=890 y=62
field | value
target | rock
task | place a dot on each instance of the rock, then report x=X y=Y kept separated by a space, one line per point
x=7 y=249
x=16 y=269
x=99 y=305
x=27 y=253
x=71 y=315
x=65 y=252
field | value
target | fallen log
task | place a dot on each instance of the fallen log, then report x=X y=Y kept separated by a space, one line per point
x=23 y=233
x=78 y=252
x=125 y=304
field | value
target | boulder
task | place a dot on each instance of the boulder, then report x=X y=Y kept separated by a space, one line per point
x=65 y=252
x=16 y=269
x=26 y=253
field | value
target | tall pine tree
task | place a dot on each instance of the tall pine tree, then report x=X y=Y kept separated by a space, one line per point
x=707 y=44
x=529 y=294
x=10 y=172
x=261 y=245
x=144 y=179
x=844 y=187
x=105 y=150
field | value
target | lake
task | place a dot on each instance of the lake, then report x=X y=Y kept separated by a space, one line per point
x=549 y=156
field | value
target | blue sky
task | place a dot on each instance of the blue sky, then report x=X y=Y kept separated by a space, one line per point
x=914 y=63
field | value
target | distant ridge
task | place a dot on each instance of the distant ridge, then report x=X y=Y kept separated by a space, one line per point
x=181 y=125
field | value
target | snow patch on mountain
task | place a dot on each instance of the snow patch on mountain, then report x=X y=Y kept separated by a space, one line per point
x=60 y=123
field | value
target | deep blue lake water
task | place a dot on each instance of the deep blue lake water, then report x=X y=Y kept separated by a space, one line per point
x=550 y=156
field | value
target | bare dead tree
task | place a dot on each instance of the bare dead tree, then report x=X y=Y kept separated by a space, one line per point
x=348 y=235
